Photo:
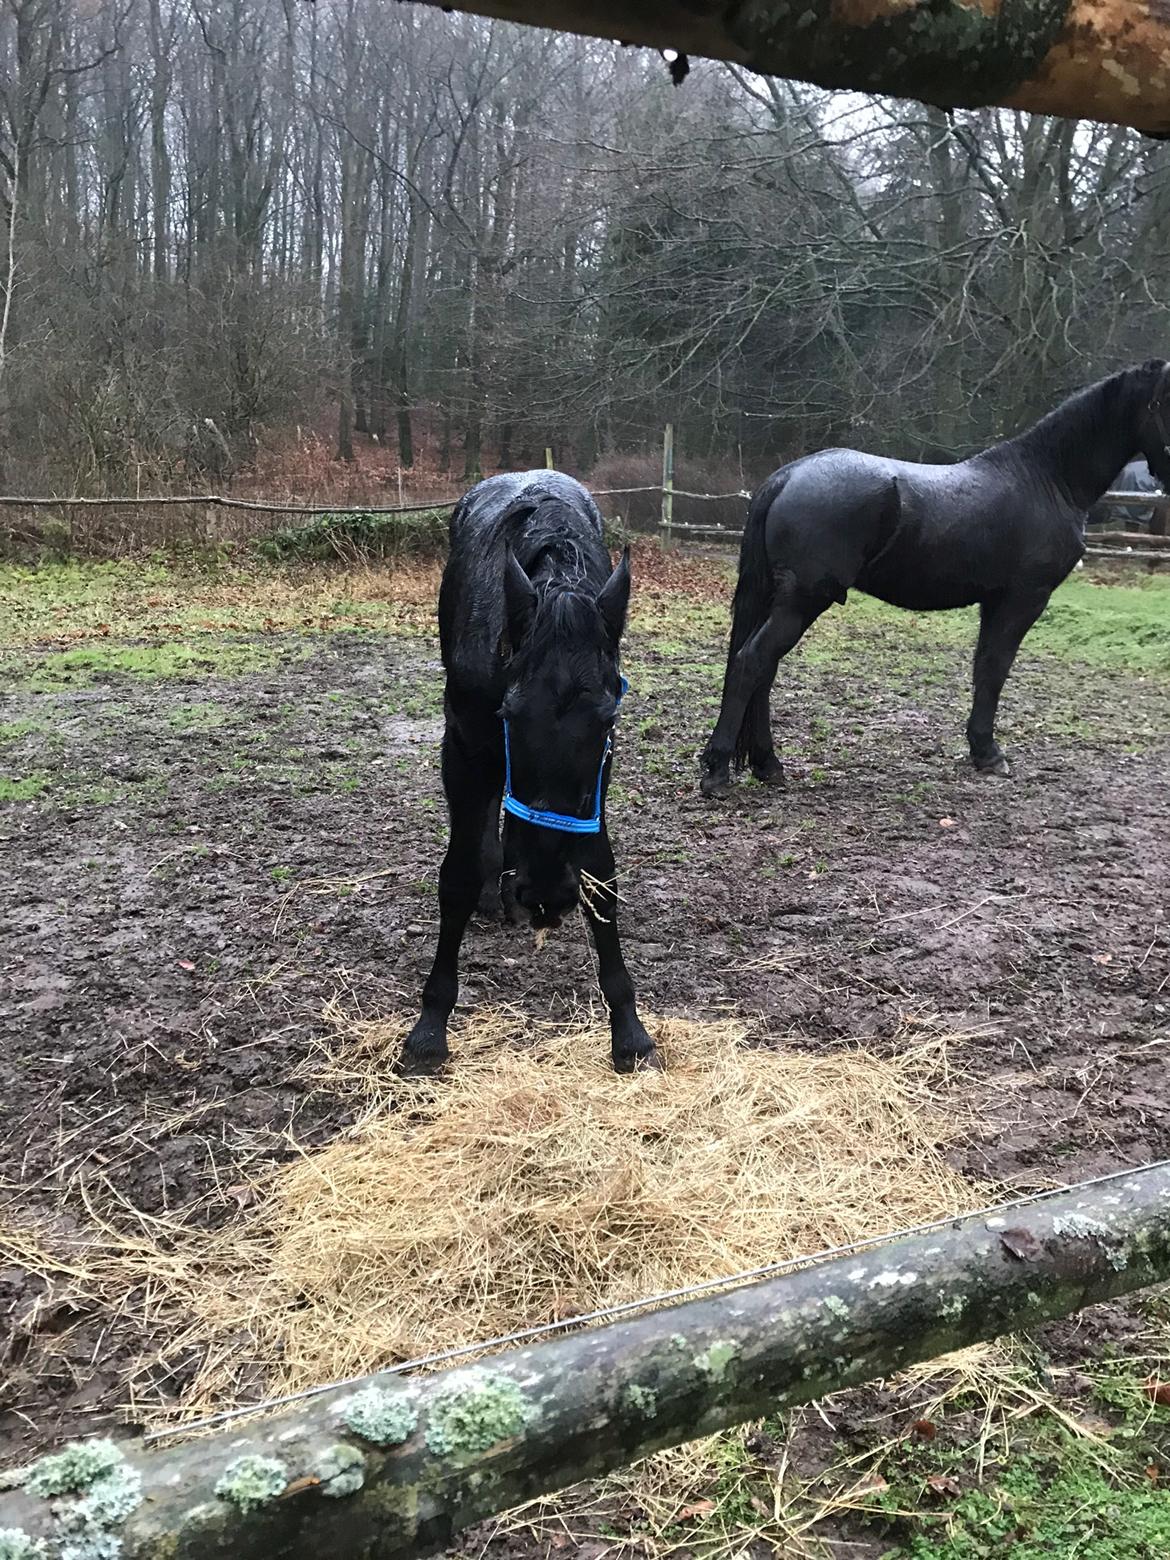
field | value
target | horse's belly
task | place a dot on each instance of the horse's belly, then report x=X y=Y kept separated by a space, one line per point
x=918 y=590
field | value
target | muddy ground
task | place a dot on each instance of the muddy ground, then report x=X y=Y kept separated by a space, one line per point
x=205 y=854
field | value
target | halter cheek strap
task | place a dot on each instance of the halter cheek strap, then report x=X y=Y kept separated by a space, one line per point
x=565 y=822
x=1157 y=413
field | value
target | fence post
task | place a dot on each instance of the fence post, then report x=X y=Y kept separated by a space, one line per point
x=668 y=483
x=548 y=460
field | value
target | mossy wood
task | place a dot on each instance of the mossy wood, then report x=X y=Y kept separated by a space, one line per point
x=1083 y=59
x=396 y=1468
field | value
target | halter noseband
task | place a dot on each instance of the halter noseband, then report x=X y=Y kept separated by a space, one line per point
x=565 y=822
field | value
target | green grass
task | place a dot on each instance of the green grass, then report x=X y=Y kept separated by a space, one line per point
x=1113 y=626
x=1122 y=627
x=198 y=717
x=14 y=730
x=22 y=789
x=1084 y=1483
x=86 y=665
x=1038 y=1510
x=148 y=600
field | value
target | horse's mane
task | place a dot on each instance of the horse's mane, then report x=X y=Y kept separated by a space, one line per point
x=554 y=547
x=568 y=564
x=1086 y=418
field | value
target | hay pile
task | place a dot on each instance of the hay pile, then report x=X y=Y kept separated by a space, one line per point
x=531 y=1183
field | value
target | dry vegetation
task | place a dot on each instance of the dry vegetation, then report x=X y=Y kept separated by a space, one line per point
x=530 y=1185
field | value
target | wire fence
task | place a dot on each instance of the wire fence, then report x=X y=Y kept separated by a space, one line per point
x=117 y=525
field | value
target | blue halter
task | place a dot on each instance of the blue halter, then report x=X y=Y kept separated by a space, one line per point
x=551 y=820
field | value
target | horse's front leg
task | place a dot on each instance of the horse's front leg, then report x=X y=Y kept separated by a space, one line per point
x=632 y=1046
x=492 y=861
x=469 y=796
x=1003 y=622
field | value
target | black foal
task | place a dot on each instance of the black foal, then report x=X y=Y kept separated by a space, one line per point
x=530 y=622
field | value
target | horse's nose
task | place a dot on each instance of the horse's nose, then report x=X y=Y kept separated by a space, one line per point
x=547 y=902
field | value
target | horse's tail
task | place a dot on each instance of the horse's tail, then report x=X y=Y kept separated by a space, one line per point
x=754 y=590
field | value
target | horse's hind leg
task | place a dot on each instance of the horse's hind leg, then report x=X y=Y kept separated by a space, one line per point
x=1003 y=622
x=743 y=716
x=756 y=732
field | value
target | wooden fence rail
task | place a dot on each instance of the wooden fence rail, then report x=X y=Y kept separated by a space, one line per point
x=1101 y=543
x=389 y=1468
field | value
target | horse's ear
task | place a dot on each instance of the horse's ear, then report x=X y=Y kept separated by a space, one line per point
x=614 y=598
x=519 y=599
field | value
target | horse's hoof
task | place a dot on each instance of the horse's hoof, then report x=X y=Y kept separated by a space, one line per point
x=771 y=773
x=421 y=1064
x=490 y=906
x=641 y=1061
x=716 y=786
x=424 y=1053
x=998 y=766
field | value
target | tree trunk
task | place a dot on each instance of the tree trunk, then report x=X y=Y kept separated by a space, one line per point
x=1092 y=59
x=346 y=303
x=160 y=161
x=394 y=1468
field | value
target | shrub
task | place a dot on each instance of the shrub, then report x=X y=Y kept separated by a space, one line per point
x=353 y=536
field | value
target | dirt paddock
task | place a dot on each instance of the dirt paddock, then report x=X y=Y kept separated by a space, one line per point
x=222 y=811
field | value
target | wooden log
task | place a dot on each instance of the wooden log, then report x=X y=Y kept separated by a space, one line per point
x=397 y=1468
x=1083 y=59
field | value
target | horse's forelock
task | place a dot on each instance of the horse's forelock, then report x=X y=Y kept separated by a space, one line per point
x=568 y=622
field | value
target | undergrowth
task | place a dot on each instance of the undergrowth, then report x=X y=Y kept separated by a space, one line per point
x=351 y=536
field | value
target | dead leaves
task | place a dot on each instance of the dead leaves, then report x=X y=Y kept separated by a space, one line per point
x=942 y=1484
x=1022 y=1244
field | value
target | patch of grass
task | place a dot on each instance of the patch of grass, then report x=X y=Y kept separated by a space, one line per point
x=14 y=730
x=85 y=665
x=1122 y=627
x=198 y=717
x=1060 y=1500
x=23 y=788
x=149 y=600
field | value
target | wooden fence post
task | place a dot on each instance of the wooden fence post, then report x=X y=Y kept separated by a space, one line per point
x=668 y=483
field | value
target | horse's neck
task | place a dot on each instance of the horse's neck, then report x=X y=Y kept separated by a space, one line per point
x=1083 y=444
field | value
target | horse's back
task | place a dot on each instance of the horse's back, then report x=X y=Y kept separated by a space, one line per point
x=472 y=611
x=918 y=535
x=484 y=506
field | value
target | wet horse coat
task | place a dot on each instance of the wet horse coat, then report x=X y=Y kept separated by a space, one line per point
x=530 y=622
x=1000 y=531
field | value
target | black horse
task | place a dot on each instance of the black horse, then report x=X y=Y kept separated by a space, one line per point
x=1001 y=529
x=530 y=621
